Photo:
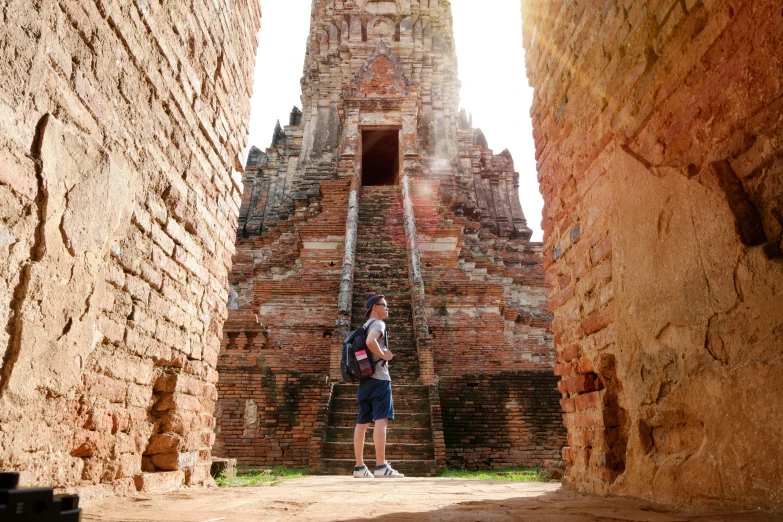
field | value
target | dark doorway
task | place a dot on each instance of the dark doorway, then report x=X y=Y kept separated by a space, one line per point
x=380 y=157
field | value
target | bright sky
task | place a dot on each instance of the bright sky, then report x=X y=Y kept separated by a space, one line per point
x=491 y=66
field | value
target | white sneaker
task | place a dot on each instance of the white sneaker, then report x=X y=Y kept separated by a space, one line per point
x=386 y=471
x=362 y=472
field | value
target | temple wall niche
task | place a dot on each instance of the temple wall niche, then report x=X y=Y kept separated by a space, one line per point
x=658 y=138
x=119 y=128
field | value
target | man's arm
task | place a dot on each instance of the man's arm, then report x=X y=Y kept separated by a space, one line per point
x=372 y=344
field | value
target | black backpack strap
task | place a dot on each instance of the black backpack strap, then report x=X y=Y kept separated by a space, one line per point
x=386 y=333
x=386 y=342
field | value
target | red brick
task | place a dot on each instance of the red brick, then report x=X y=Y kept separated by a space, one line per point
x=586 y=365
x=568 y=455
x=601 y=250
x=587 y=400
x=570 y=352
x=567 y=405
x=581 y=383
x=599 y=319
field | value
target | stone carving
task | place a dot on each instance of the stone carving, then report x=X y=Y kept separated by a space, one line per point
x=255 y=158
x=479 y=138
x=381 y=74
x=278 y=137
x=386 y=7
x=296 y=116
x=380 y=28
x=232 y=303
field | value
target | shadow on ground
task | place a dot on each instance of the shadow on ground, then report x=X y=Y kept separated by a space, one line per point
x=340 y=498
x=565 y=506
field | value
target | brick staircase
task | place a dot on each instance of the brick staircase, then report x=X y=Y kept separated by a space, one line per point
x=382 y=268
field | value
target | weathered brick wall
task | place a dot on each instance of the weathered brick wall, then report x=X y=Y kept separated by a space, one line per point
x=267 y=417
x=120 y=127
x=485 y=296
x=502 y=420
x=275 y=356
x=658 y=135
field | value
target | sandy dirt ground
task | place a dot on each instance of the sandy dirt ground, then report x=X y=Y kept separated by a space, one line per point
x=322 y=499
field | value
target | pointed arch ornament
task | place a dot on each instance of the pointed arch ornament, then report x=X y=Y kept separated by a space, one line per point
x=381 y=75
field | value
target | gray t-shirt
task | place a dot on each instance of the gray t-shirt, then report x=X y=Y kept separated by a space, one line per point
x=381 y=367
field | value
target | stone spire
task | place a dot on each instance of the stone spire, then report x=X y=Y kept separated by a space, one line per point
x=393 y=64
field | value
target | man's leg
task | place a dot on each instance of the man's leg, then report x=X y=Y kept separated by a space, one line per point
x=379 y=438
x=358 y=442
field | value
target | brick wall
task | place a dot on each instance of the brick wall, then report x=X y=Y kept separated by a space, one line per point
x=121 y=123
x=502 y=420
x=267 y=417
x=276 y=349
x=658 y=139
x=485 y=296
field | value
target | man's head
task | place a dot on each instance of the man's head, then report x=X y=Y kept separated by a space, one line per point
x=377 y=308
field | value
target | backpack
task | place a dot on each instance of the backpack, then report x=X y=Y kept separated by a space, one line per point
x=357 y=363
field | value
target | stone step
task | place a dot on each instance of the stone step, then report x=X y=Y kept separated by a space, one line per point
x=382 y=242
x=399 y=342
x=394 y=433
x=364 y=285
x=386 y=277
x=410 y=468
x=398 y=323
x=389 y=219
x=402 y=420
x=387 y=270
x=380 y=189
x=402 y=404
x=398 y=301
x=404 y=358
x=377 y=282
x=383 y=269
x=413 y=391
x=397 y=286
x=394 y=451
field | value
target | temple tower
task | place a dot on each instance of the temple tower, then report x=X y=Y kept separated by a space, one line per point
x=380 y=184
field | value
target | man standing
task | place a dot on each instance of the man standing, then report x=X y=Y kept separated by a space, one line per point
x=375 y=395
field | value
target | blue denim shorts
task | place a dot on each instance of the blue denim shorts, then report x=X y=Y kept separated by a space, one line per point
x=375 y=401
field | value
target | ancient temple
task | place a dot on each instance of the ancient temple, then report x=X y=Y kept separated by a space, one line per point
x=382 y=185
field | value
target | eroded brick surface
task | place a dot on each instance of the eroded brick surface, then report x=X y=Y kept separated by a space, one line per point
x=446 y=240
x=658 y=138
x=120 y=123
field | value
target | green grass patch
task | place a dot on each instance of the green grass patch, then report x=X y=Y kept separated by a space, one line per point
x=254 y=477
x=508 y=474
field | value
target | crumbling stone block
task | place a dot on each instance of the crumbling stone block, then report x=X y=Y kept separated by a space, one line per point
x=226 y=468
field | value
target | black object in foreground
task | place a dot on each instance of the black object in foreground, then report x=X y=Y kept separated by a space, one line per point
x=35 y=504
